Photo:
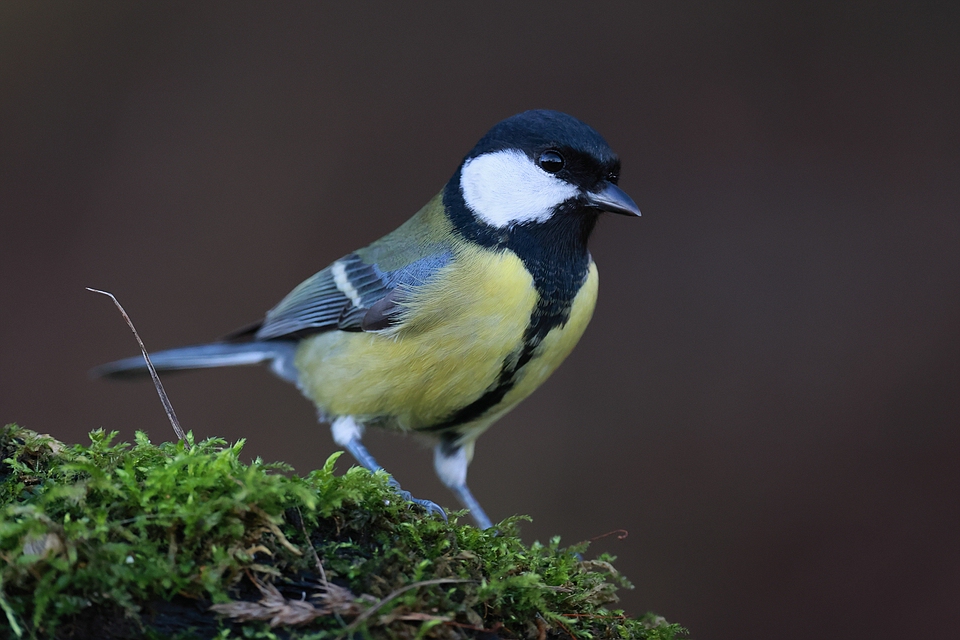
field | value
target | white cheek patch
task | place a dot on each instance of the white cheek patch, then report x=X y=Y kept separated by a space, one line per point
x=506 y=187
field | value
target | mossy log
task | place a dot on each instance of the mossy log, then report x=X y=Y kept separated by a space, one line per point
x=185 y=540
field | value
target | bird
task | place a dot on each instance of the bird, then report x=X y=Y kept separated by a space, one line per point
x=445 y=324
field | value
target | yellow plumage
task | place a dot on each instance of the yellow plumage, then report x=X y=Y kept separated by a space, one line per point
x=455 y=333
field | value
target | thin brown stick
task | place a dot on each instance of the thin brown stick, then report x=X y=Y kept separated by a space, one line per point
x=153 y=371
x=567 y=629
x=620 y=533
x=316 y=557
x=392 y=596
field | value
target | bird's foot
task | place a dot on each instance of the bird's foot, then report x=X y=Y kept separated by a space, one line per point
x=431 y=507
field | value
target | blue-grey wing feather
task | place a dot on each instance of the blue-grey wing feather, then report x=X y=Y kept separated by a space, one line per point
x=340 y=296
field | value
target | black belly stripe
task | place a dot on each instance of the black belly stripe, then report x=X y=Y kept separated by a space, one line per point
x=491 y=398
x=555 y=253
x=545 y=317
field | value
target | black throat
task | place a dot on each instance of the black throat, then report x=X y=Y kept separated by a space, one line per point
x=555 y=253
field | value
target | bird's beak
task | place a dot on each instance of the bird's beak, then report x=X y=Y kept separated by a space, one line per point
x=613 y=199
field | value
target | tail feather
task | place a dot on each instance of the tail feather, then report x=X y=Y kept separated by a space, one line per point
x=203 y=356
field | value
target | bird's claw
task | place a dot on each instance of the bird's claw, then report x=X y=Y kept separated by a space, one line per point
x=431 y=507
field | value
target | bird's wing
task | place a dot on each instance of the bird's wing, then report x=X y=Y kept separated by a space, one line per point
x=350 y=295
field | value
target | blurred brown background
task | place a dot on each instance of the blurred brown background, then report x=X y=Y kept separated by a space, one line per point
x=768 y=396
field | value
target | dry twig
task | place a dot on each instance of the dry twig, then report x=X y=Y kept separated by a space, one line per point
x=153 y=371
x=281 y=611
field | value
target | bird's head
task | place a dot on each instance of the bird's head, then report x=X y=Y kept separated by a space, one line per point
x=538 y=167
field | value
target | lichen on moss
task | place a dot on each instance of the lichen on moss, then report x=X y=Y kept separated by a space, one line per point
x=184 y=539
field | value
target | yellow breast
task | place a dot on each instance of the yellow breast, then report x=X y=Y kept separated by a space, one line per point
x=556 y=346
x=456 y=331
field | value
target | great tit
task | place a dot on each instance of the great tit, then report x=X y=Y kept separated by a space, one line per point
x=445 y=324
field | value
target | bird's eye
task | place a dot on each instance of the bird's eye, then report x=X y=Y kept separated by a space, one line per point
x=550 y=161
x=613 y=177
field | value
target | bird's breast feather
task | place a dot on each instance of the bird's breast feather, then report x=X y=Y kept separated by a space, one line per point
x=454 y=334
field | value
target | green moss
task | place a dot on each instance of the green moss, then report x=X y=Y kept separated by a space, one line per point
x=142 y=539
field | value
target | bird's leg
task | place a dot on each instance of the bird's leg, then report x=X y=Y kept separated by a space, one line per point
x=346 y=433
x=450 y=461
